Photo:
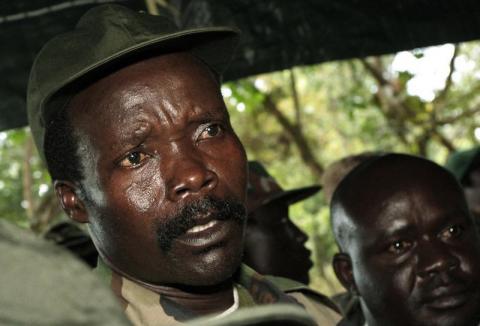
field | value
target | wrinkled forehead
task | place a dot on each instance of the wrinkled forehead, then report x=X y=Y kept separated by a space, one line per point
x=168 y=81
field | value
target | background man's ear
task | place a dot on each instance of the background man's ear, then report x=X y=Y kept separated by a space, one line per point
x=342 y=265
x=72 y=205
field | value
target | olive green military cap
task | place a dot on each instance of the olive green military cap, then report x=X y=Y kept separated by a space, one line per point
x=461 y=162
x=106 y=38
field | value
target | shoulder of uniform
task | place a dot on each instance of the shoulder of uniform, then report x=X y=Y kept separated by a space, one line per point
x=290 y=286
x=285 y=284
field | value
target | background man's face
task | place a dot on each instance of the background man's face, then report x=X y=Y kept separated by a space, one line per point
x=274 y=245
x=165 y=173
x=416 y=258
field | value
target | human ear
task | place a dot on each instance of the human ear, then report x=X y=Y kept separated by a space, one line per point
x=71 y=203
x=342 y=265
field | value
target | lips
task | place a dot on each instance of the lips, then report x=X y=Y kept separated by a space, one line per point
x=448 y=297
x=200 y=228
x=208 y=234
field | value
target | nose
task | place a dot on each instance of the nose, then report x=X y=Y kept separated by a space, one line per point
x=192 y=177
x=435 y=258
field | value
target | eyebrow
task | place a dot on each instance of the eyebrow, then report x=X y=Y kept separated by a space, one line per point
x=394 y=231
x=132 y=136
x=403 y=229
x=455 y=215
x=218 y=113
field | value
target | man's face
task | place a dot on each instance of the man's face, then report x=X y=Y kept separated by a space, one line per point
x=165 y=174
x=274 y=245
x=416 y=258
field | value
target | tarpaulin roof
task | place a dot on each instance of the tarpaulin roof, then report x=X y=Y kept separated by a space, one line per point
x=277 y=34
x=25 y=25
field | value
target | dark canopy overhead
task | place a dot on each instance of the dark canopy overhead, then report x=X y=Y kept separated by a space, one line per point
x=25 y=25
x=277 y=34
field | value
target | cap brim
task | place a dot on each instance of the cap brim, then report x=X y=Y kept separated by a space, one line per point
x=295 y=195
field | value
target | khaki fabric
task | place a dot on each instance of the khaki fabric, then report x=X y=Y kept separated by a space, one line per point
x=144 y=307
x=266 y=315
x=323 y=310
x=322 y=314
x=42 y=284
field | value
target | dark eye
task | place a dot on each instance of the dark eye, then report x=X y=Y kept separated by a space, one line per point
x=451 y=232
x=212 y=130
x=133 y=159
x=399 y=247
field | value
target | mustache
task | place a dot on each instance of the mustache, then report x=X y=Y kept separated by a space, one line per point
x=179 y=223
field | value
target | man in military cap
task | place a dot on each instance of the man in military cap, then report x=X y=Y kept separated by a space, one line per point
x=274 y=245
x=465 y=165
x=126 y=110
x=336 y=171
x=408 y=245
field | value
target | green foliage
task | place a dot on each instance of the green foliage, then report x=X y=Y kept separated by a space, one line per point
x=342 y=114
x=10 y=184
x=13 y=203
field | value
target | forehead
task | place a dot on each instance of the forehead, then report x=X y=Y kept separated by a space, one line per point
x=173 y=85
x=421 y=200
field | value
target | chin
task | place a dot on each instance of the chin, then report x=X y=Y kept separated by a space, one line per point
x=465 y=316
x=215 y=267
x=451 y=321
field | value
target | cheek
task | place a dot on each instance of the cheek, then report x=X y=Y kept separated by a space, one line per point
x=259 y=247
x=257 y=237
x=381 y=283
x=95 y=190
x=145 y=190
x=470 y=262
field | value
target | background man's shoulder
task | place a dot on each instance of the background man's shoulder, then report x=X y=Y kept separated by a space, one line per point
x=319 y=306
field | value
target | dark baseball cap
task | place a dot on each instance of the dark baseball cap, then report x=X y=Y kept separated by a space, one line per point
x=263 y=188
x=106 y=38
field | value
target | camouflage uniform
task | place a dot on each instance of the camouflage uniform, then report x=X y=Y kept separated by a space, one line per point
x=147 y=308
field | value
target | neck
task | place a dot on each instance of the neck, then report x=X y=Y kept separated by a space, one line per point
x=200 y=300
